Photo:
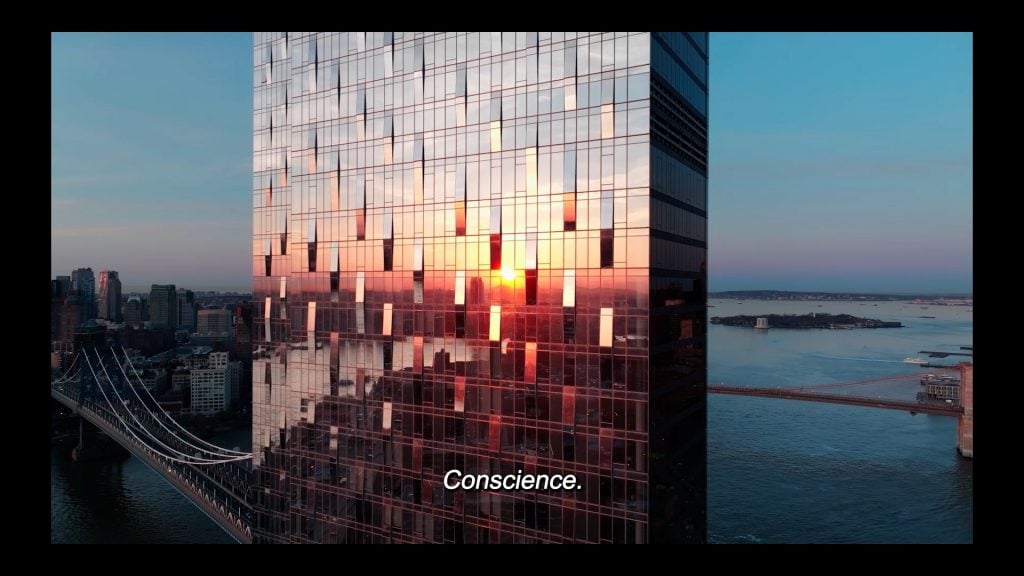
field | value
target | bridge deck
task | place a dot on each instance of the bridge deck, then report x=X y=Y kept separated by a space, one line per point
x=810 y=396
x=187 y=480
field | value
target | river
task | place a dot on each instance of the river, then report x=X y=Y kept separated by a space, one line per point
x=790 y=471
x=120 y=500
x=778 y=470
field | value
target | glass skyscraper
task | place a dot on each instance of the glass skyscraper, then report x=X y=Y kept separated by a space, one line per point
x=482 y=252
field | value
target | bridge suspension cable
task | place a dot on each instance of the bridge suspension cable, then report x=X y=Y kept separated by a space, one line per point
x=157 y=419
x=64 y=377
x=173 y=421
x=63 y=380
x=129 y=427
x=190 y=459
x=139 y=424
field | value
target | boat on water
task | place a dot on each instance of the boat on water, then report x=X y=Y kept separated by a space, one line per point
x=912 y=360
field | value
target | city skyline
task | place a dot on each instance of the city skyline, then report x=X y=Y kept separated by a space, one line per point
x=794 y=116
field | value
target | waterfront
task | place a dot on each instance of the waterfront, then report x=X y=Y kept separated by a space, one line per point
x=120 y=500
x=779 y=471
x=790 y=471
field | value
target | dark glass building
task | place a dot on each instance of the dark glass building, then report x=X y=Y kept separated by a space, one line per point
x=163 y=306
x=482 y=252
x=110 y=296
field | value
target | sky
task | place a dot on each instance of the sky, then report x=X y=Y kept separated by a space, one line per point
x=841 y=162
x=151 y=157
x=837 y=161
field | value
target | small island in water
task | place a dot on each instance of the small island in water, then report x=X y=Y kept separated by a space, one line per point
x=806 y=321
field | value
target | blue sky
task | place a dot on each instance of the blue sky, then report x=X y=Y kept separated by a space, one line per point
x=838 y=161
x=151 y=157
x=841 y=162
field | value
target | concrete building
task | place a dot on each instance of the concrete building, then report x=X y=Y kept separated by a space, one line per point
x=153 y=378
x=219 y=340
x=215 y=321
x=212 y=384
x=180 y=379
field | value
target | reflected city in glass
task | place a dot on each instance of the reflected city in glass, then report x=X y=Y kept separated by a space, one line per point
x=483 y=252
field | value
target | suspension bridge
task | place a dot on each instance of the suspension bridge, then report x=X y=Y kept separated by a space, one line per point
x=103 y=388
x=838 y=393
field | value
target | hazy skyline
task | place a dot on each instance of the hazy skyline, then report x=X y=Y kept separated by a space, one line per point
x=837 y=161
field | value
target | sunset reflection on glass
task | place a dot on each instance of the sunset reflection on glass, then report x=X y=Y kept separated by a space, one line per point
x=510 y=281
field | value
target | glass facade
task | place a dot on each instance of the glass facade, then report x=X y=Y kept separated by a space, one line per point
x=482 y=252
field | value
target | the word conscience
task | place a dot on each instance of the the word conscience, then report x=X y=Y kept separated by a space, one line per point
x=455 y=480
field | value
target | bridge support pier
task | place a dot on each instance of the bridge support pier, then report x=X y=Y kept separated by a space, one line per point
x=93 y=444
x=965 y=423
x=83 y=449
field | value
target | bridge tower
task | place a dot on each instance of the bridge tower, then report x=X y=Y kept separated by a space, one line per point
x=85 y=385
x=965 y=423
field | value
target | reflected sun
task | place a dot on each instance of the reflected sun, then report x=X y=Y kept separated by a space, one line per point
x=508 y=274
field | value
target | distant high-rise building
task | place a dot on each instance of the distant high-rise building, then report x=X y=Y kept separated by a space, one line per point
x=133 y=311
x=71 y=317
x=483 y=253
x=163 y=306
x=110 y=296
x=187 y=310
x=84 y=282
x=58 y=292
x=214 y=321
x=61 y=286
